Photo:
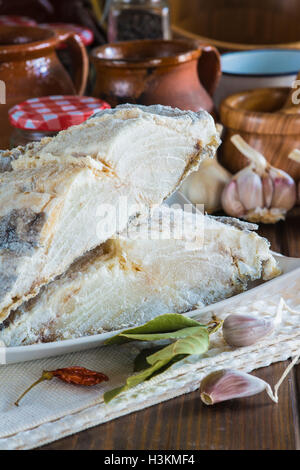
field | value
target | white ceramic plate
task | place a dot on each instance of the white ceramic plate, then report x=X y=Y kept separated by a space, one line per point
x=39 y=351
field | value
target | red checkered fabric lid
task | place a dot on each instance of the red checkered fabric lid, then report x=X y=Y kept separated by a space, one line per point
x=86 y=35
x=16 y=21
x=54 y=113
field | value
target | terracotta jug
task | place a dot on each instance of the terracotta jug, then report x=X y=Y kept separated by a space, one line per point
x=29 y=68
x=177 y=73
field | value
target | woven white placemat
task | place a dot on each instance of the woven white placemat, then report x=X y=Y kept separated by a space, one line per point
x=54 y=410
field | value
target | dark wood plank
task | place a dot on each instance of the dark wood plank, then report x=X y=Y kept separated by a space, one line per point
x=185 y=423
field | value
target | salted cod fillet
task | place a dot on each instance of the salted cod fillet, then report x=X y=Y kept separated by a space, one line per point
x=122 y=161
x=154 y=267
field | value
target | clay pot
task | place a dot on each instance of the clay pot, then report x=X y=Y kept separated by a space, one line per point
x=30 y=68
x=181 y=74
x=260 y=118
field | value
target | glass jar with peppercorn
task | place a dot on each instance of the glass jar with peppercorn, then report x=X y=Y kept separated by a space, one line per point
x=138 y=19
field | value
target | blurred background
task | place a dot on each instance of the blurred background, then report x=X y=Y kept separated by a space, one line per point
x=245 y=22
x=62 y=60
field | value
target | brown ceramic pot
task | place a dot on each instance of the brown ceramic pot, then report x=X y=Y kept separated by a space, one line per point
x=258 y=116
x=177 y=73
x=29 y=68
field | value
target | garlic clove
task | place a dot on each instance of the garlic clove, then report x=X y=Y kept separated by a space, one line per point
x=243 y=330
x=268 y=191
x=206 y=185
x=194 y=190
x=231 y=202
x=285 y=193
x=250 y=189
x=228 y=384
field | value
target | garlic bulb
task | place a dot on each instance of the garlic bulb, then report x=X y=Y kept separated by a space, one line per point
x=259 y=192
x=206 y=185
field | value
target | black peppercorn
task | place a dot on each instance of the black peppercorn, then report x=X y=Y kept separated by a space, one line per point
x=138 y=19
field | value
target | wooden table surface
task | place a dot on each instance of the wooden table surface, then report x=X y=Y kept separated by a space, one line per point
x=185 y=423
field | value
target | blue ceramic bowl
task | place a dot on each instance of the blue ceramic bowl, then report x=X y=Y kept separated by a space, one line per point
x=261 y=68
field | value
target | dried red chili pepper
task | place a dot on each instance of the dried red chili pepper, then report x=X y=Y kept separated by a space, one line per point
x=70 y=375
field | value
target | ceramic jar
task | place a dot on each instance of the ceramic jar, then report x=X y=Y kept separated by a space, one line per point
x=37 y=118
x=176 y=73
x=29 y=67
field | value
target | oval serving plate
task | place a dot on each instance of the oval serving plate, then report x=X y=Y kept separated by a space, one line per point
x=290 y=268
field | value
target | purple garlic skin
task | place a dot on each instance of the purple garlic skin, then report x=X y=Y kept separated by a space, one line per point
x=250 y=189
x=228 y=384
x=243 y=330
x=231 y=202
x=285 y=191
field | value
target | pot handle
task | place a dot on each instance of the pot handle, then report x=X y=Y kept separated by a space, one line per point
x=209 y=67
x=79 y=58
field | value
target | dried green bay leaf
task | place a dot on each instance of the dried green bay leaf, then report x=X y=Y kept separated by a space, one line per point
x=135 y=380
x=161 y=336
x=197 y=343
x=140 y=362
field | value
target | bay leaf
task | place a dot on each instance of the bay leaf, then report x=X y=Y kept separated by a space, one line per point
x=162 y=359
x=197 y=343
x=140 y=362
x=135 y=380
x=162 y=324
x=162 y=336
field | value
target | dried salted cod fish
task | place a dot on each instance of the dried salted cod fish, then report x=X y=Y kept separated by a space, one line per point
x=68 y=194
x=172 y=262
